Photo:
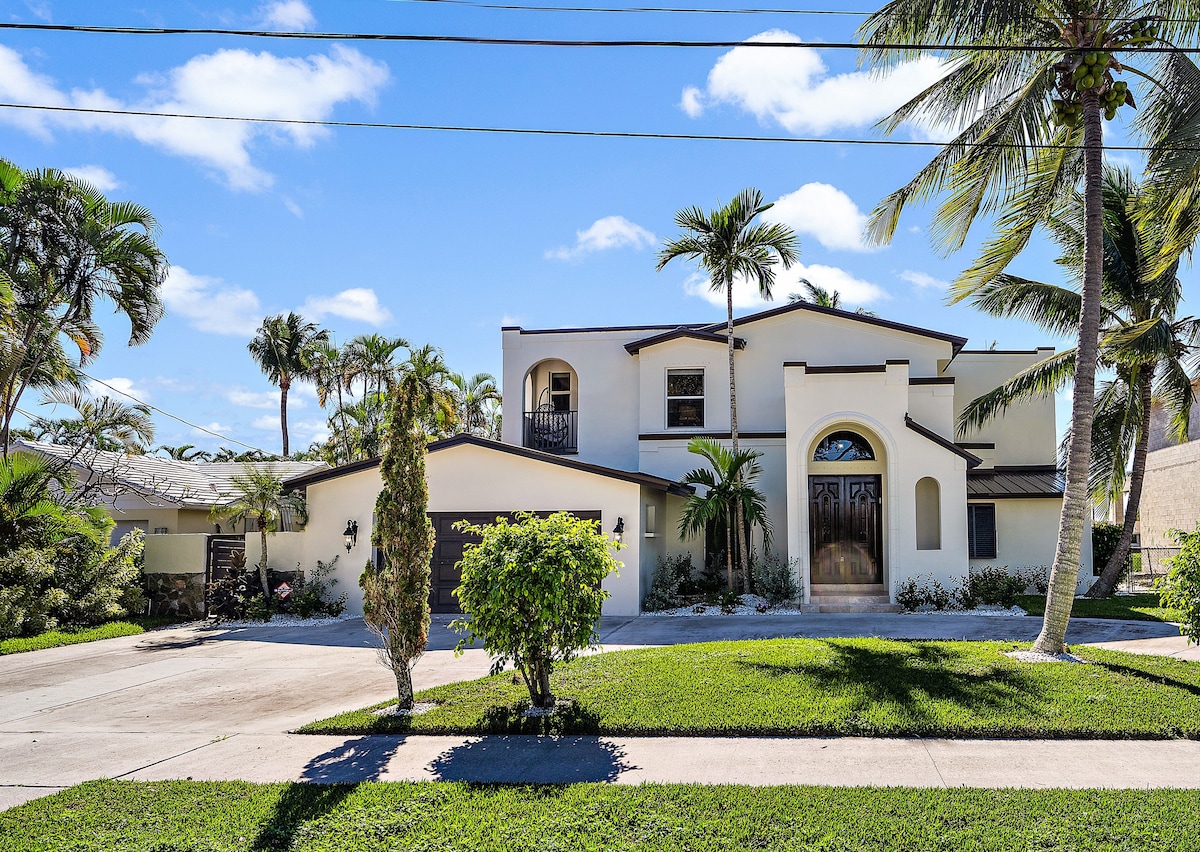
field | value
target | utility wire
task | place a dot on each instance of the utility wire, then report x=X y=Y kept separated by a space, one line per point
x=597 y=134
x=642 y=9
x=173 y=416
x=549 y=42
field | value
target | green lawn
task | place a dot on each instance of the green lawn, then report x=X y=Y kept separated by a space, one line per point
x=863 y=687
x=69 y=636
x=122 y=816
x=1140 y=607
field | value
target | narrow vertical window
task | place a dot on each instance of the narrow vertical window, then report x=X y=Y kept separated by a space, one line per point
x=560 y=391
x=685 y=398
x=981 y=530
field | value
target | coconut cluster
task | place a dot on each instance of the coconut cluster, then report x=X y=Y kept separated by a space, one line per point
x=1092 y=71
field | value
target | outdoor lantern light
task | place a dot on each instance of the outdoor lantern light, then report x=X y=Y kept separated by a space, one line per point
x=351 y=534
x=619 y=529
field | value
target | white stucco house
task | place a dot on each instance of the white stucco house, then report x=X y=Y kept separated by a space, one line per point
x=865 y=481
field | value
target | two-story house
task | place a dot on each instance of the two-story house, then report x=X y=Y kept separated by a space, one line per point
x=855 y=417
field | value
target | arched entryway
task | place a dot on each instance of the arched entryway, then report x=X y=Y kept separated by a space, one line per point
x=845 y=505
x=551 y=408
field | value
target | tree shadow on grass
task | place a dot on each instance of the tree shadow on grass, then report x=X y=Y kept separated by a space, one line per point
x=531 y=760
x=1160 y=679
x=914 y=676
x=326 y=781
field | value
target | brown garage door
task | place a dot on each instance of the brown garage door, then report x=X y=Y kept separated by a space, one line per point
x=448 y=550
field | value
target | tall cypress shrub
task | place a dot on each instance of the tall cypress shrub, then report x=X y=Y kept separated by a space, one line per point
x=396 y=592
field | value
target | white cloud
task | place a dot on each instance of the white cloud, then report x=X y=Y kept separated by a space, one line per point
x=358 y=303
x=293 y=208
x=792 y=87
x=211 y=305
x=922 y=280
x=121 y=389
x=607 y=233
x=301 y=433
x=97 y=176
x=854 y=291
x=266 y=422
x=287 y=15
x=263 y=399
x=824 y=212
x=227 y=82
x=211 y=427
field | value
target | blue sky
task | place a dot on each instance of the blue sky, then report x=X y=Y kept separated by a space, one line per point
x=441 y=237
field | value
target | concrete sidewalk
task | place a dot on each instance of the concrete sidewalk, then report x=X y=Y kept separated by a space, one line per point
x=848 y=761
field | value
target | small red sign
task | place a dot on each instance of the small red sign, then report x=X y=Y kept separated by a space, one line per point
x=283 y=590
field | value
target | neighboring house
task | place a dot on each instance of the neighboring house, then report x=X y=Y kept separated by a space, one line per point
x=1170 y=497
x=854 y=415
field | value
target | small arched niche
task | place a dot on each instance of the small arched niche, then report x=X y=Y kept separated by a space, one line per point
x=929 y=514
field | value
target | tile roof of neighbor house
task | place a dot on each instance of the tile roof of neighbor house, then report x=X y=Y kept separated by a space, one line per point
x=186 y=484
x=717 y=327
x=656 y=482
x=998 y=483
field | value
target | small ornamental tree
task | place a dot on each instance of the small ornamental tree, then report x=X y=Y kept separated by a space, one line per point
x=1180 y=589
x=532 y=591
x=396 y=592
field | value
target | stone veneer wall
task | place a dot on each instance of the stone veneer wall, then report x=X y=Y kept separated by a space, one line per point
x=1171 y=495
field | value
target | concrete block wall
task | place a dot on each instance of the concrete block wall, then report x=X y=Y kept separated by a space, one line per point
x=1170 y=496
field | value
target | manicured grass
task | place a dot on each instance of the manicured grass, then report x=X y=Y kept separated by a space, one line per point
x=1140 y=607
x=863 y=687
x=221 y=817
x=57 y=638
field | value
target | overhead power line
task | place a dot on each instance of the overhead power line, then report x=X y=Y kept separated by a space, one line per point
x=551 y=42
x=546 y=131
x=642 y=9
x=173 y=416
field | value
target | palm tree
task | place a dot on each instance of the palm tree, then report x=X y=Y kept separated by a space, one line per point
x=184 y=452
x=1141 y=340
x=103 y=423
x=63 y=248
x=823 y=298
x=371 y=358
x=1032 y=81
x=282 y=348
x=329 y=368
x=728 y=245
x=435 y=394
x=35 y=502
x=257 y=493
x=730 y=494
x=476 y=400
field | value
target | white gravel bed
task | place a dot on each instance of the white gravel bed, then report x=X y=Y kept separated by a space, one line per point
x=750 y=605
x=1039 y=657
x=1013 y=611
x=417 y=709
x=284 y=620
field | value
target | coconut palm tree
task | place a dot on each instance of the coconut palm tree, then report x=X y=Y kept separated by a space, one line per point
x=257 y=493
x=63 y=248
x=728 y=245
x=282 y=348
x=1147 y=347
x=1030 y=82
x=730 y=498
x=476 y=399
x=823 y=298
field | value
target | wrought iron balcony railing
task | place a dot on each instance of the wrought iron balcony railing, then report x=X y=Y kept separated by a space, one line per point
x=552 y=431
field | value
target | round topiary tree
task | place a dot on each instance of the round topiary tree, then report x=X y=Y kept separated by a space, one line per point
x=532 y=591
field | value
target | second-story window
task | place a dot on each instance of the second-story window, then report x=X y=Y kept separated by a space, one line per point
x=560 y=391
x=685 y=398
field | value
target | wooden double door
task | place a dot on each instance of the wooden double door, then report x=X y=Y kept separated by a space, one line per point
x=845 y=521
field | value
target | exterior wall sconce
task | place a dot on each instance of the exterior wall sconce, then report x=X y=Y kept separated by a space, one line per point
x=351 y=535
x=619 y=529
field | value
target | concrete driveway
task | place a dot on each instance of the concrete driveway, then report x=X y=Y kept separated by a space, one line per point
x=171 y=702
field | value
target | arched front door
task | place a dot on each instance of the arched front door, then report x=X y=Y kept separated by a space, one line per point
x=845 y=512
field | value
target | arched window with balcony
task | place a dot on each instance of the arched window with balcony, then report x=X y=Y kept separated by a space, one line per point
x=551 y=410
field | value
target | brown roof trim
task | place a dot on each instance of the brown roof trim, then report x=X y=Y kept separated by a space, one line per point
x=826 y=369
x=683 y=331
x=656 y=482
x=602 y=328
x=1005 y=351
x=1018 y=468
x=977 y=445
x=718 y=436
x=954 y=340
x=1037 y=495
x=972 y=459
x=932 y=380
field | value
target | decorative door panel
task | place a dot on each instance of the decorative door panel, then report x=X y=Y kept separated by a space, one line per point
x=846 y=529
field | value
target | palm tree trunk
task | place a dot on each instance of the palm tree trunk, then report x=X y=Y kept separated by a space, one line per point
x=743 y=553
x=284 y=384
x=729 y=514
x=1106 y=583
x=1064 y=575
x=262 y=566
x=733 y=423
